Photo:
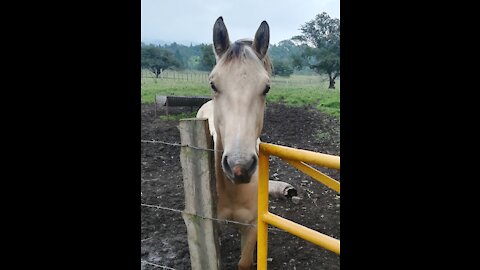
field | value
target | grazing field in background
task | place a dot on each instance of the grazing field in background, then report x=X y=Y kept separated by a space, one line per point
x=296 y=90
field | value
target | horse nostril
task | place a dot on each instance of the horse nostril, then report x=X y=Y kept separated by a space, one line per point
x=225 y=164
x=253 y=165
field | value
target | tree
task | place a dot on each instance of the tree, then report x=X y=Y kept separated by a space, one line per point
x=207 y=59
x=179 y=58
x=157 y=59
x=282 y=68
x=283 y=50
x=321 y=40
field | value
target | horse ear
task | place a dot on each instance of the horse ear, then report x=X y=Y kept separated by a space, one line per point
x=262 y=39
x=221 y=42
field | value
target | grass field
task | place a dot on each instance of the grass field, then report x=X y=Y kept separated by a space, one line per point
x=297 y=90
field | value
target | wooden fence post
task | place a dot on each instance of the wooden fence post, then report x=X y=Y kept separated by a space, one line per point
x=200 y=193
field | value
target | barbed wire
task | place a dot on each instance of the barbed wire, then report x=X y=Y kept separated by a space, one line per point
x=195 y=215
x=191 y=214
x=180 y=211
x=209 y=218
x=157 y=265
x=180 y=145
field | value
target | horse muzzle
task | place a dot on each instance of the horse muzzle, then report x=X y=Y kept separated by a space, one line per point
x=239 y=168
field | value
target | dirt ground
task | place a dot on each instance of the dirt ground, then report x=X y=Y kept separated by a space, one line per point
x=164 y=235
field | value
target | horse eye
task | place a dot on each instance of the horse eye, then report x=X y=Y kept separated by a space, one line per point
x=213 y=87
x=267 y=88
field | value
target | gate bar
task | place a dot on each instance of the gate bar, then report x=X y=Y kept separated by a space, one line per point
x=301 y=231
x=315 y=174
x=262 y=226
x=306 y=156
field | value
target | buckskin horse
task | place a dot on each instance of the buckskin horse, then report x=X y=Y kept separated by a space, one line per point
x=240 y=81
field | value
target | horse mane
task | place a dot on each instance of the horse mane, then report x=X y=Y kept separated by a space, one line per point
x=238 y=50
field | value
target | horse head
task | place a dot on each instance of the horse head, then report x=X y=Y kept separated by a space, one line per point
x=240 y=81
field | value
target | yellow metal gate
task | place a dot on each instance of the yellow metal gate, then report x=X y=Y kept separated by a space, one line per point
x=299 y=159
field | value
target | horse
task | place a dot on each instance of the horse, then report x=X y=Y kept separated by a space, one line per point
x=240 y=81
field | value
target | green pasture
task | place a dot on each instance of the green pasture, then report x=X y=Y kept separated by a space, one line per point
x=297 y=90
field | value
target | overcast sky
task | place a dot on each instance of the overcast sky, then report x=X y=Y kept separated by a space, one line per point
x=185 y=21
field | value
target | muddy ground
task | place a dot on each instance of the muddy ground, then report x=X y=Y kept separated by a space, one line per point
x=164 y=235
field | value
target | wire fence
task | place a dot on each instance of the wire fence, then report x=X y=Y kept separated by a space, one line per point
x=181 y=211
x=202 y=77
x=197 y=76
x=159 y=207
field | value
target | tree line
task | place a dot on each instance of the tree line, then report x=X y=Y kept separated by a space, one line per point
x=317 y=49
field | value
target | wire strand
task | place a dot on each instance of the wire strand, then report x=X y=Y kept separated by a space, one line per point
x=157 y=265
x=180 y=145
x=210 y=218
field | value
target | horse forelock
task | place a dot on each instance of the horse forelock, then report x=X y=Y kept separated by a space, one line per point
x=242 y=49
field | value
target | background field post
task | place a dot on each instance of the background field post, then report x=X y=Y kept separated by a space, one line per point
x=200 y=193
